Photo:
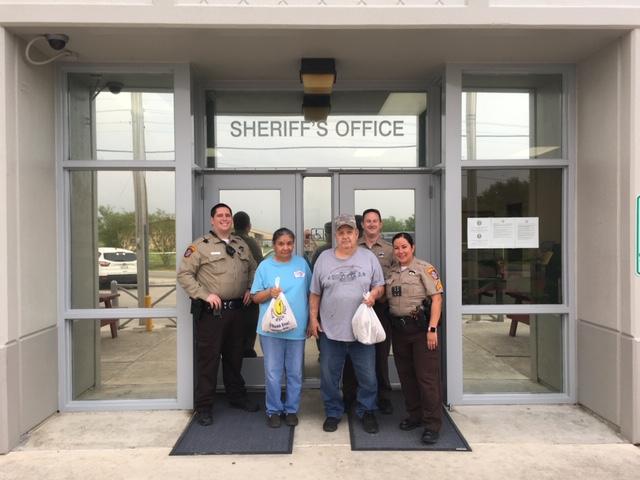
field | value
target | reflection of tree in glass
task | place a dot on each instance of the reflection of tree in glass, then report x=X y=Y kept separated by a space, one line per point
x=497 y=198
x=118 y=229
x=162 y=235
x=393 y=224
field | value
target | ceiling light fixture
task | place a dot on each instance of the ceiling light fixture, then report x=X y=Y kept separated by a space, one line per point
x=318 y=75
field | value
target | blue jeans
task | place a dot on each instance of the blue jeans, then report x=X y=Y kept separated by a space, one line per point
x=282 y=356
x=363 y=357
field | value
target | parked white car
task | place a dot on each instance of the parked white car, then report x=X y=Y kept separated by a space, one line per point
x=116 y=264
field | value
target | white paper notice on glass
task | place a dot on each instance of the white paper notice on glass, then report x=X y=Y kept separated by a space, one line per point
x=527 y=232
x=478 y=232
x=502 y=232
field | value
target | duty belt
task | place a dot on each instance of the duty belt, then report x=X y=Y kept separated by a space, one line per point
x=233 y=304
x=403 y=322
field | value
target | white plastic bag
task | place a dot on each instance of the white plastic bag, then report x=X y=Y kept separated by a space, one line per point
x=366 y=326
x=279 y=317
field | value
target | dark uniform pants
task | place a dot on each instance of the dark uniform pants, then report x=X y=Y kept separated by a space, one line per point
x=216 y=337
x=419 y=372
x=349 y=382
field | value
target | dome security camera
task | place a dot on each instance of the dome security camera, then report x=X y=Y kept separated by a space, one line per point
x=115 y=87
x=57 y=41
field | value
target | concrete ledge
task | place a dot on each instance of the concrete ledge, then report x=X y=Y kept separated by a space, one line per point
x=9 y=397
x=39 y=377
x=598 y=383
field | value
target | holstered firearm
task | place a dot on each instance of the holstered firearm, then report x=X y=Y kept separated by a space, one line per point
x=423 y=314
x=197 y=307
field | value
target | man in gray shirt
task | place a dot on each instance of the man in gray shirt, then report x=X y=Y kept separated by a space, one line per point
x=340 y=278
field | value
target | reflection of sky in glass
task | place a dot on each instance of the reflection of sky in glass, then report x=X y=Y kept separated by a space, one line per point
x=115 y=190
x=342 y=141
x=317 y=202
x=502 y=125
x=263 y=207
x=114 y=135
x=391 y=203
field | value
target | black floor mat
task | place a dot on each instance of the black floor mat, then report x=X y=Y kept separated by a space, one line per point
x=390 y=437
x=234 y=432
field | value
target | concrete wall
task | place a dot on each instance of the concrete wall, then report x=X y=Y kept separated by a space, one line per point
x=339 y=12
x=607 y=184
x=28 y=287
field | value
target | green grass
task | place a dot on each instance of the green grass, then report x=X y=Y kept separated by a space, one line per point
x=155 y=262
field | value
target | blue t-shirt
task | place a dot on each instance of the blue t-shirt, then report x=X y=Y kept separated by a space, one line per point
x=295 y=278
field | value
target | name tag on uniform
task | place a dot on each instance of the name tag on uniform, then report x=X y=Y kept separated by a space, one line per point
x=298 y=274
x=216 y=253
x=381 y=254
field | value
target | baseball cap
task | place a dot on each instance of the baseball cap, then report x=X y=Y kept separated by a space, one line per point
x=344 y=219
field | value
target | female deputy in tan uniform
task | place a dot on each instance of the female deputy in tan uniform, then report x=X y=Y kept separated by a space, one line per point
x=409 y=286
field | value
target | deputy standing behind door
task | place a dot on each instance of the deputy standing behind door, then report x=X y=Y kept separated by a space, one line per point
x=216 y=272
x=415 y=336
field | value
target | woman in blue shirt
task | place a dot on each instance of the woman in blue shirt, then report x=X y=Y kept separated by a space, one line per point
x=283 y=352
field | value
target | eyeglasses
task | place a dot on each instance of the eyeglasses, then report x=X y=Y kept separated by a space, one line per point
x=230 y=250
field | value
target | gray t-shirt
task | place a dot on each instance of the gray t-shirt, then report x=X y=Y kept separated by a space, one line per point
x=341 y=283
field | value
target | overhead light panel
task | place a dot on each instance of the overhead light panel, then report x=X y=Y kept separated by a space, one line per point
x=318 y=75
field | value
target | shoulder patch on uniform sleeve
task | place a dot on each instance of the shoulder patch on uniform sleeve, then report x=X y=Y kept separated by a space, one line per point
x=433 y=273
x=190 y=249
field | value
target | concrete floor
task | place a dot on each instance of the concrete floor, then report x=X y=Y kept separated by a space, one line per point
x=510 y=442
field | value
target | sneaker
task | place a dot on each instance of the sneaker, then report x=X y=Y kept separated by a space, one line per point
x=245 y=404
x=369 y=422
x=385 y=406
x=204 y=417
x=429 y=436
x=291 y=419
x=409 y=424
x=330 y=424
x=273 y=421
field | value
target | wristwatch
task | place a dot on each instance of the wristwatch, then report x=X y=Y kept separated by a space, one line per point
x=432 y=329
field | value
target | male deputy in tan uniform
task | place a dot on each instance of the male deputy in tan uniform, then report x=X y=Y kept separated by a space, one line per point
x=217 y=272
x=372 y=240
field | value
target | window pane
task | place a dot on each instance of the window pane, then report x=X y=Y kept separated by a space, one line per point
x=121 y=359
x=511 y=117
x=263 y=208
x=317 y=217
x=317 y=239
x=513 y=353
x=122 y=239
x=493 y=274
x=132 y=122
x=364 y=129
x=396 y=206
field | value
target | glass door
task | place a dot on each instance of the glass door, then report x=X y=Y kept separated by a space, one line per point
x=407 y=203
x=269 y=200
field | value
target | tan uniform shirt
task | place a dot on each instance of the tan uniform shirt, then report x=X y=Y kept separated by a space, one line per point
x=417 y=281
x=207 y=268
x=383 y=250
x=256 y=251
